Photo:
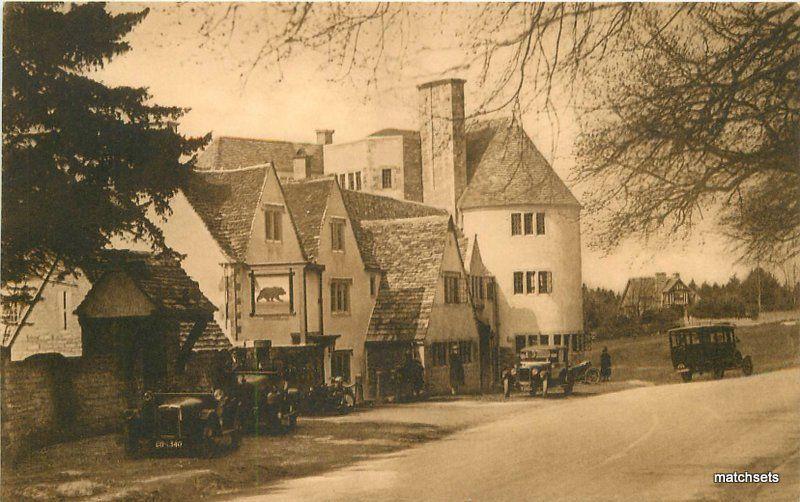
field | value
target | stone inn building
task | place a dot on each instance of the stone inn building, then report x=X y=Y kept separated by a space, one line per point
x=281 y=236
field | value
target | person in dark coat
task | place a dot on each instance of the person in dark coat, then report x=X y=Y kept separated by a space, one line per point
x=508 y=382
x=605 y=365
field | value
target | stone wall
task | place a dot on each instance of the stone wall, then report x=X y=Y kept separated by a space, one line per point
x=48 y=398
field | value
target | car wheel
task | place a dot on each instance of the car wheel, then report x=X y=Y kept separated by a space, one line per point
x=208 y=443
x=592 y=376
x=719 y=372
x=747 y=366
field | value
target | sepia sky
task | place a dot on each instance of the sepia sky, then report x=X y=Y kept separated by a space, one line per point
x=290 y=101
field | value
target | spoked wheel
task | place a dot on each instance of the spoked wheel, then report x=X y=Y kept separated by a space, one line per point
x=686 y=374
x=719 y=372
x=592 y=376
x=747 y=366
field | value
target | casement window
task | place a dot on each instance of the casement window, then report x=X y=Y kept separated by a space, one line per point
x=516 y=224
x=386 y=178
x=490 y=289
x=556 y=339
x=539 y=223
x=351 y=181
x=373 y=285
x=518 y=283
x=337 y=234
x=481 y=294
x=342 y=180
x=544 y=339
x=566 y=340
x=438 y=354
x=465 y=351
x=519 y=343
x=530 y=282
x=64 y=304
x=528 y=217
x=533 y=340
x=340 y=295
x=545 y=282
x=340 y=364
x=358 y=180
x=272 y=224
x=451 y=288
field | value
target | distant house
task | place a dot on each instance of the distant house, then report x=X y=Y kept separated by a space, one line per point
x=643 y=294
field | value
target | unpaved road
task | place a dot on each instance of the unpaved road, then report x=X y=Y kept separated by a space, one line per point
x=655 y=443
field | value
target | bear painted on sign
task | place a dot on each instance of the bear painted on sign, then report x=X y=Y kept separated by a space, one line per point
x=271 y=294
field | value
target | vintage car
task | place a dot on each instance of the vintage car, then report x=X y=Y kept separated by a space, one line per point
x=195 y=422
x=268 y=402
x=541 y=368
x=708 y=348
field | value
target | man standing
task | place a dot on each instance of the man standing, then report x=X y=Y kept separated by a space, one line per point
x=605 y=365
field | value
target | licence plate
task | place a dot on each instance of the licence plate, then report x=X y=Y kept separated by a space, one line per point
x=172 y=443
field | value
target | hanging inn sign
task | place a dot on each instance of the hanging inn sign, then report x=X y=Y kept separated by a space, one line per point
x=271 y=293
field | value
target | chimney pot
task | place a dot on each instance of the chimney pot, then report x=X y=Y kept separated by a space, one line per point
x=324 y=136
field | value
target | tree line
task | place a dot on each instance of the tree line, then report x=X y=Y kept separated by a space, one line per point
x=760 y=291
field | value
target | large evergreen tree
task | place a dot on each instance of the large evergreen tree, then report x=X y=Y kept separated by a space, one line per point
x=82 y=161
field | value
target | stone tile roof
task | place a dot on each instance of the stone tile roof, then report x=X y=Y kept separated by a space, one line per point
x=228 y=152
x=366 y=206
x=504 y=167
x=410 y=251
x=212 y=338
x=160 y=278
x=307 y=200
x=226 y=202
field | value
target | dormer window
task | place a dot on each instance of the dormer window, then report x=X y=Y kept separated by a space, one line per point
x=337 y=234
x=272 y=223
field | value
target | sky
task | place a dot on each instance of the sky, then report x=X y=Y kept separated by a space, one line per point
x=181 y=67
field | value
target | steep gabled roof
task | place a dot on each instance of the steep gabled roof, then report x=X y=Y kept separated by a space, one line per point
x=307 y=200
x=410 y=251
x=161 y=278
x=226 y=201
x=505 y=168
x=228 y=152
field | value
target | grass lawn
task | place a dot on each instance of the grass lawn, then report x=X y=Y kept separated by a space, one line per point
x=772 y=346
x=96 y=467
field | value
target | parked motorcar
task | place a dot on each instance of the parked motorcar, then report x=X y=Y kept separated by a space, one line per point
x=334 y=398
x=707 y=348
x=200 y=423
x=268 y=402
x=542 y=368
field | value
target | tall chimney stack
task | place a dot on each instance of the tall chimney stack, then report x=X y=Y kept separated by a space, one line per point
x=443 y=143
x=324 y=136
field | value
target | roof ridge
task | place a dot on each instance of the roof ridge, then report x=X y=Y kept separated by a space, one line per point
x=267 y=140
x=313 y=179
x=234 y=170
x=413 y=219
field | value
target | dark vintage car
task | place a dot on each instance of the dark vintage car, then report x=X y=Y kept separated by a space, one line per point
x=200 y=423
x=709 y=348
x=542 y=368
x=269 y=404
